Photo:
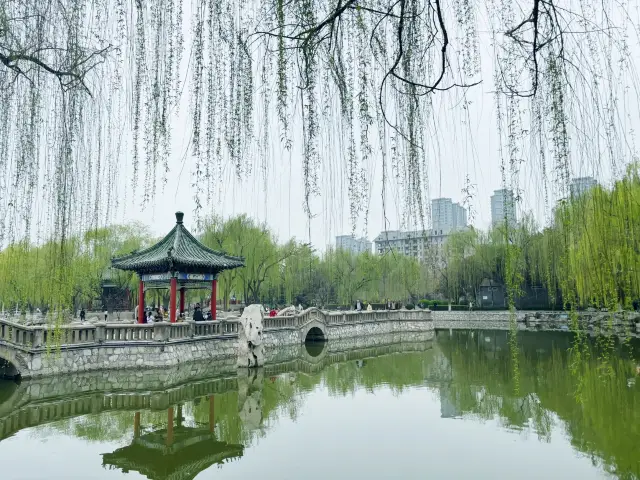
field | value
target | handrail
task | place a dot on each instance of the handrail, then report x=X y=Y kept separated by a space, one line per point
x=37 y=336
x=342 y=317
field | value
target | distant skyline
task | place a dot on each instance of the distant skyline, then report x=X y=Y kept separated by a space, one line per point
x=163 y=223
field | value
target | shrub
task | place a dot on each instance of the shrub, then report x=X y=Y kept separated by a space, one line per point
x=409 y=306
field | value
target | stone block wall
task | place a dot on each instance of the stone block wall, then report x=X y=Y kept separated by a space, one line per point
x=276 y=339
x=474 y=320
x=365 y=329
x=281 y=337
x=128 y=355
x=620 y=323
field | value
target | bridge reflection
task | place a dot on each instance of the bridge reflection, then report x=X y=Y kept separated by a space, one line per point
x=35 y=402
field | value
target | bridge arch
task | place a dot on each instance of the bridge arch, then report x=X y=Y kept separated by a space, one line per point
x=314 y=328
x=12 y=365
x=315 y=334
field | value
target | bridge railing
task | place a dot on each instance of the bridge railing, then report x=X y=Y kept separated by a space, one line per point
x=285 y=321
x=15 y=333
x=343 y=318
x=36 y=336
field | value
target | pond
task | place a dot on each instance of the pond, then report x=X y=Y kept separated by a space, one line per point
x=456 y=407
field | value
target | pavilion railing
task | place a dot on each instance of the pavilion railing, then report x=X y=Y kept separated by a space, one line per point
x=38 y=336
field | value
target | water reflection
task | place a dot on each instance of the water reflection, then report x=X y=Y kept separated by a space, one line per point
x=605 y=423
x=176 y=430
x=177 y=451
x=315 y=349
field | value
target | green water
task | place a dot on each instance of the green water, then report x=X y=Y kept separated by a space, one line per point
x=446 y=410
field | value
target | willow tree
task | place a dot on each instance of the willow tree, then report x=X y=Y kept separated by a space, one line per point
x=90 y=88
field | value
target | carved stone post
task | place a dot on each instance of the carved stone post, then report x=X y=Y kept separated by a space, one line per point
x=100 y=332
x=161 y=331
x=38 y=337
x=192 y=328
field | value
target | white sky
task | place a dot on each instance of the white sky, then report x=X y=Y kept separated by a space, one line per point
x=457 y=149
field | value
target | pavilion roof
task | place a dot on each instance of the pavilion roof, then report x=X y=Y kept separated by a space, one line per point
x=179 y=251
x=194 y=451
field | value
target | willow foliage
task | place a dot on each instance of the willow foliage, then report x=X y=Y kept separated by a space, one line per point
x=588 y=257
x=90 y=89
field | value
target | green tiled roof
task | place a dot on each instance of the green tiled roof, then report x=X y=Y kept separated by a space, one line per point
x=179 y=251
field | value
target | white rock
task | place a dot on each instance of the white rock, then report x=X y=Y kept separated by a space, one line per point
x=250 y=349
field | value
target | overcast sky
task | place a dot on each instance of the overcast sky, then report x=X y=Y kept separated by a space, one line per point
x=457 y=148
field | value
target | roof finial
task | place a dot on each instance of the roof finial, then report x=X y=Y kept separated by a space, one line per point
x=179 y=217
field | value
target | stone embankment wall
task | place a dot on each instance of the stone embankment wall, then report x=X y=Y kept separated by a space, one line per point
x=620 y=323
x=473 y=320
x=100 y=357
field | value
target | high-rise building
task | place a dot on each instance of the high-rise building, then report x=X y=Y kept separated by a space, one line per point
x=503 y=207
x=581 y=185
x=459 y=217
x=352 y=244
x=423 y=245
x=447 y=216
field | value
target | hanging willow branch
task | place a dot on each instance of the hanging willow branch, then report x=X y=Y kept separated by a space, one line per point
x=93 y=90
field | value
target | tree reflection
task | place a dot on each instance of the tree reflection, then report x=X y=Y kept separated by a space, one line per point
x=606 y=422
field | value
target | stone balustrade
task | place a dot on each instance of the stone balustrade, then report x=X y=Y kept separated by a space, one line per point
x=38 y=336
x=343 y=318
x=285 y=321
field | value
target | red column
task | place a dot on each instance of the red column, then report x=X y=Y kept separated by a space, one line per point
x=214 y=299
x=169 y=438
x=141 y=302
x=136 y=425
x=172 y=300
x=182 y=300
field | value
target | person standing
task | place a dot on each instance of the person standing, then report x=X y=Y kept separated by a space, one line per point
x=197 y=314
x=359 y=306
x=82 y=315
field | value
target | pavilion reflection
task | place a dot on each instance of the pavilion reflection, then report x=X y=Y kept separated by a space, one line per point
x=177 y=451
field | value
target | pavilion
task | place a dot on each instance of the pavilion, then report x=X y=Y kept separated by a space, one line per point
x=182 y=261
